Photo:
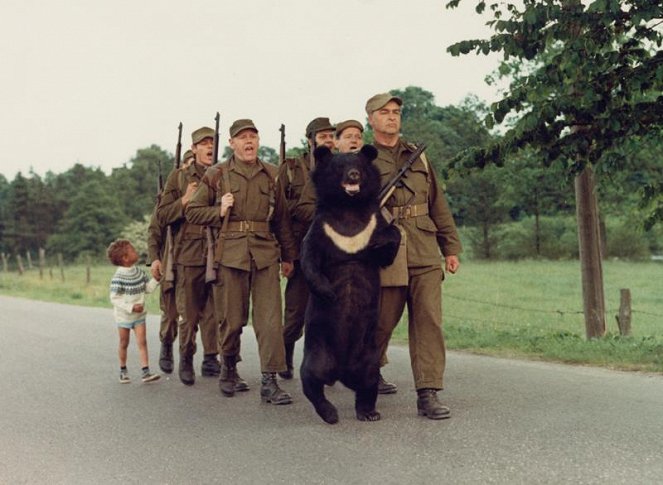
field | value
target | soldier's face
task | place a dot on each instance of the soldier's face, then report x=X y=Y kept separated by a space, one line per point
x=245 y=145
x=203 y=151
x=325 y=138
x=386 y=120
x=350 y=140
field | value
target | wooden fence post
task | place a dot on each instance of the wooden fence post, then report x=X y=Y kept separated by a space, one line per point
x=4 y=262
x=87 y=270
x=19 y=262
x=61 y=265
x=42 y=262
x=29 y=259
x=624 y=316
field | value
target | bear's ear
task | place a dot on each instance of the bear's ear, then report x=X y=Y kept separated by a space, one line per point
x=322 y=153
x=369 y=152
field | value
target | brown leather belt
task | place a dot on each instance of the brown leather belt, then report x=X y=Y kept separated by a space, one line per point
x=407 y=211
x=248 y=226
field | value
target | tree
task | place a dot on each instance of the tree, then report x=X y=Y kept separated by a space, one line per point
x=597 y=81
x=135 y=183
x=94 y=219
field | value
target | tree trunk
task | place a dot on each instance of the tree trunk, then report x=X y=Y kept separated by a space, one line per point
x=590 y=254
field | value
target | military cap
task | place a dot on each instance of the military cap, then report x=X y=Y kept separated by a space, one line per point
x=316 y=125
x=240 y=125
x=201 y=133
x=379 y=100
x=347 y=124
x=187 y=154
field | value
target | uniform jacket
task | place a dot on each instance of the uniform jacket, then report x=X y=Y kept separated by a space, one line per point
x=428 y=234
x=259 y=198
x=294 y=173
x=190 y=241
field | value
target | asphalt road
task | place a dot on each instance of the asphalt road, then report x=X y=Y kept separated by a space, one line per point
x=64 y=418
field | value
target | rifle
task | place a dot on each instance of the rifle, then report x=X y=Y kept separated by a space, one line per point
x=169 y=272
x=159 y=181
x=178 y=148
x=282 y=145
x=395 y=181
x=210 y=272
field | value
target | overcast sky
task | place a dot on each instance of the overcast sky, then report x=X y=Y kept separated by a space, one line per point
x=93 y=81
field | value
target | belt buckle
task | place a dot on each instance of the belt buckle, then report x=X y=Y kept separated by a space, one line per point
x=243 y=226
x=406 y=212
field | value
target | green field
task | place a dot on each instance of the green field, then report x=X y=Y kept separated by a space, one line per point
x=526 y=309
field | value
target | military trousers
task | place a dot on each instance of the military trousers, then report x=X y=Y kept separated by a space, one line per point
x=296 y=298
x=195 y=306
x=232 y=292
x=168 y=306
x=423 y=297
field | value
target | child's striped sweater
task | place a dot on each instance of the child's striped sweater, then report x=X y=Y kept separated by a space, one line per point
x=127 y=288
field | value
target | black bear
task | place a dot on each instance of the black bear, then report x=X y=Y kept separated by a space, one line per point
x=347 y=243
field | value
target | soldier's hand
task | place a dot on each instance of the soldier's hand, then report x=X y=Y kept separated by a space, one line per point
x=190 y=189
x=155 y=269
x=137 y=308
x=451 y=263
x=287 y=269
x=227 y=201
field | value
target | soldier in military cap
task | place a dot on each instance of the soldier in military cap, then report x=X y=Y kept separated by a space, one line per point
x=188 y=158
x=295 y=174
x=421 y=212
x=349 y=136
x=193 y=295
x=250 y=244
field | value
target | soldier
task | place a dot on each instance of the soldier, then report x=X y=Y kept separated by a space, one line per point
x=193 y=295
x=295 y=174
x=158 y=253
x=256 y=235
x=421 y=212
x=348 y=138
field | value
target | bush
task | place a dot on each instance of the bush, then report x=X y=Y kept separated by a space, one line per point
x=625 y=239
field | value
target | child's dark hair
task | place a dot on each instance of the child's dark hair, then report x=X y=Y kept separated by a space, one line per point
x=116 y=250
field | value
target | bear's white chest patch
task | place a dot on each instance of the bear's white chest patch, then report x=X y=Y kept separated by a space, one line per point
x=351 y=244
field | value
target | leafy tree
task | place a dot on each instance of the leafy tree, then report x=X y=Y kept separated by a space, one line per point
x=93 y=220
x=597 y=82
x=135 y=183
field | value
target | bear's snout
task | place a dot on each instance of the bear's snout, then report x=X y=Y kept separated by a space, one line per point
x=354 y=175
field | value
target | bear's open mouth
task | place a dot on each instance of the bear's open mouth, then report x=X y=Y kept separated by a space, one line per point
x=351 y=189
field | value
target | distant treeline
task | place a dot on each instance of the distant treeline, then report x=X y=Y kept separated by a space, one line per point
x=519 y=210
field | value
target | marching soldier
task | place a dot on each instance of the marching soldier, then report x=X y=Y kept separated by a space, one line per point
x=193 y=295
x=158 y=253
x=421 y=212
x=295 y=174
x=244 y=197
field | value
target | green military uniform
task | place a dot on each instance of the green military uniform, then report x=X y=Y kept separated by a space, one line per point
x=258 y=235
x=194 y=297
x=294 y=173
x=422 y=213
x=158 y=250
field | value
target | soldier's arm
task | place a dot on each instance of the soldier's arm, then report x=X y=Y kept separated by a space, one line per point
x=199 y=210
x=440 y=213
x=154 y=237
x=305 y=206
x=282 y=227
x=170 y=207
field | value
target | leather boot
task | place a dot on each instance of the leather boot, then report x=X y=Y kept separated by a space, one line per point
x=228 y=376
x=210 y=366
x=385 y=387
x=428 y=405
x=271 y=392
x=289 y=353
x=166 y=357
x=187 y=374
x=240 y=384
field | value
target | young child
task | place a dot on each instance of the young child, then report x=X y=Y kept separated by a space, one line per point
x=127 y=294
